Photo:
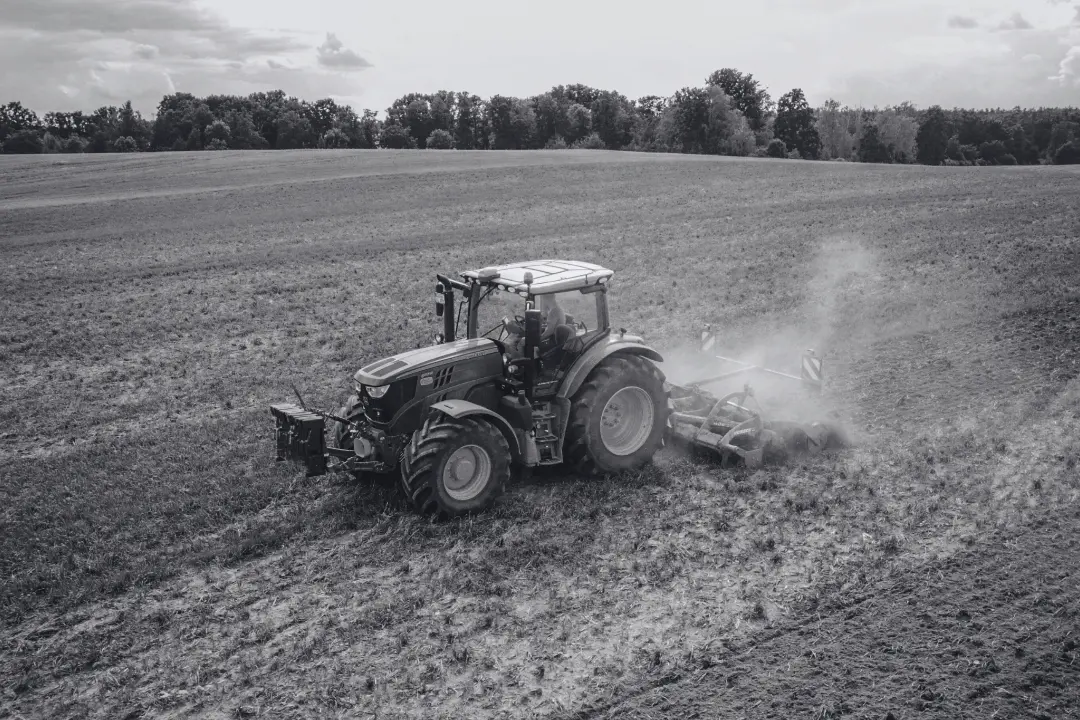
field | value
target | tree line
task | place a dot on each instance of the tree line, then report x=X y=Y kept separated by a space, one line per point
x=731 y=114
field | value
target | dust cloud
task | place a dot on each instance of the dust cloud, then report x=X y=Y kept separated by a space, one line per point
x=834 y=317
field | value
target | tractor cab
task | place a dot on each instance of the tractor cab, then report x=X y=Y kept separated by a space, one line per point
x=566 y=300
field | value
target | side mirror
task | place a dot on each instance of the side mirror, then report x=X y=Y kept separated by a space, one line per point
x=439 y=302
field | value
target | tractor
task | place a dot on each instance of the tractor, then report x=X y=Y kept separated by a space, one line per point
x=539 y=377
x=522 y=388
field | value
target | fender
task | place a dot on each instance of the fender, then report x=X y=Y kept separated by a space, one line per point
x=616 y=343
x=458 y=409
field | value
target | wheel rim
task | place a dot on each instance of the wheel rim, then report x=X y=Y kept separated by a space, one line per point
x=627 y=421
x=466 y=472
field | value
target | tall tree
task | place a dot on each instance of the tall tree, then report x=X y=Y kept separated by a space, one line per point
x=898 y=131
x=242 y=131
x=323 y=115
x=266 y=109
x=577 y=93
x=16 y=119
x=295 y=131
x=367 y=136
x=469 y=132
x=728 y=132
x=795 y=124
x=395 y=137
x=837 y=140
x=1061 y=134
x=751 y=99
x=131 y=124
x=933 y=136
x=611 y=120
x=442 y=105
x=1068 y=154
x=512 y=121
x=551 y=119
x=1021 y=147
x=64 y=124
x=413 y=112
x=578 y=123
x=688 y=125
x=871 y=148
x=645 y=131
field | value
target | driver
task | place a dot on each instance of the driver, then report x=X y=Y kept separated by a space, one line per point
x=553 y=317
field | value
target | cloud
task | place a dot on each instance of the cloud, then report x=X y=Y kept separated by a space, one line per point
x=1076 y=18
x=106 y=16
x=333 y=54
x=1069 y=68
x=1015 y=22
x=962 y=22
x=992 y=69
x=81 y=54
x=146 y=52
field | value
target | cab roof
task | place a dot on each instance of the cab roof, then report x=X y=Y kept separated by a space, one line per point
x=548 y=276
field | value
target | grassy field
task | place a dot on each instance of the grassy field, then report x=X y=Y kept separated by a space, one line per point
x=157 y=562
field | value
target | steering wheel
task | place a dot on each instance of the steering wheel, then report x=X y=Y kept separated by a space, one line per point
x=518 y=320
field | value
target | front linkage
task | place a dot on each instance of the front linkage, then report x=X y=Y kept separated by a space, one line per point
x=301 y=437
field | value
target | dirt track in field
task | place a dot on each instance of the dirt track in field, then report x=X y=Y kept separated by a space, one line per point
x=991 y=632
x=160 y=565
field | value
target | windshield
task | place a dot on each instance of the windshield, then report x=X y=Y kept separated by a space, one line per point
x=578 y=310
x=495 y=305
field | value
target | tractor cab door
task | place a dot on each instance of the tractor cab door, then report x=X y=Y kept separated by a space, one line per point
x=571 y=322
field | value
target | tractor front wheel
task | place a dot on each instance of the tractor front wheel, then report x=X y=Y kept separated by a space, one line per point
x=618 y=417
x=453 y=467
x=342 y=435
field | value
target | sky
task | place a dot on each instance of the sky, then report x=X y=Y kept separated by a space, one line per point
x=81 y=54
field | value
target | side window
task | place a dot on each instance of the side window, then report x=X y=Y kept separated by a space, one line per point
x=580 y=310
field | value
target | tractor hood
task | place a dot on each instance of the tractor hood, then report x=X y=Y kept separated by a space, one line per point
x=387 y=370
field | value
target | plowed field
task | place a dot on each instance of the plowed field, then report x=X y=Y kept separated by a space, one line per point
x=156 y=562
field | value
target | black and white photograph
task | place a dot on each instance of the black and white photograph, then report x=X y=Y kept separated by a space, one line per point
x=561 y=360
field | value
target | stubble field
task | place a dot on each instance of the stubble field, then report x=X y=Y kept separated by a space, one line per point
x=156 y=562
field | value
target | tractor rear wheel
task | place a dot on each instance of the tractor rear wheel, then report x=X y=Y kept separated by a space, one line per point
x=618 y=417
x=453 y=467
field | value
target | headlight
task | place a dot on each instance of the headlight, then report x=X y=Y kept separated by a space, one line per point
x=377 y=392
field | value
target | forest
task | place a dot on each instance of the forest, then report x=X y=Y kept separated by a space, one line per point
x=732 y=113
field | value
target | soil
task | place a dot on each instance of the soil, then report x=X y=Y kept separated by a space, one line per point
x=991 y=632
x=158 y=563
